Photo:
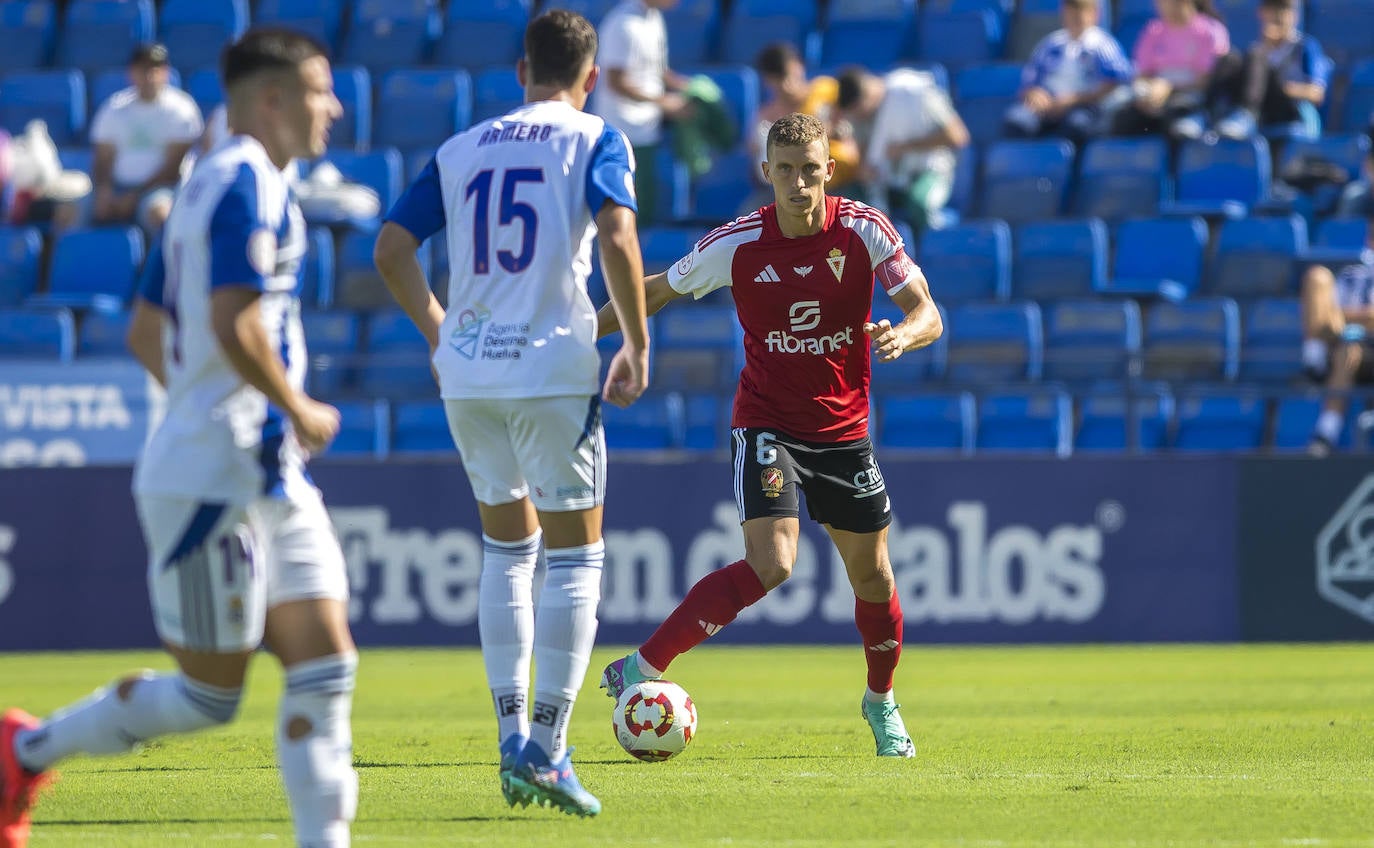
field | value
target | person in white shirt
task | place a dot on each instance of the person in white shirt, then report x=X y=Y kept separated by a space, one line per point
x=140 y=135
x=518 y=199
x=909 y=132
x=640 y=91
x=1075 y=78
x=241 y=552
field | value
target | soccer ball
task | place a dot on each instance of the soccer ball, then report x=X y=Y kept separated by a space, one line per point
x=654 y=720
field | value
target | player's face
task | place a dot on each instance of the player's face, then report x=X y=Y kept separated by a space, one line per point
x=798 y=175
x=312 y=109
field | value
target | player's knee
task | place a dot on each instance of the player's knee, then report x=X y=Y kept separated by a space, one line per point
x=772 y=573
x=1318 y=280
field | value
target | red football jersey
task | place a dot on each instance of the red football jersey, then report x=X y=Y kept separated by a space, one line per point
x=802 y=303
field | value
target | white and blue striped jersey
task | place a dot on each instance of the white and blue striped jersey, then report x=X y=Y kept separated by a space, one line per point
x=234 y=223
x=516 y=197
x=1062 y=64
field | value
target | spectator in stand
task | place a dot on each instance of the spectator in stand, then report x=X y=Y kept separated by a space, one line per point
x=34 y=188
x=783 y=75
x=909 y=133
x=1174 y=58
x=1075 y=79
x=141 y=134
x=1281 y=79
x=1338 y=336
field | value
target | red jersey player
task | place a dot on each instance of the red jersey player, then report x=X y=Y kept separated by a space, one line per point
x=801 y=271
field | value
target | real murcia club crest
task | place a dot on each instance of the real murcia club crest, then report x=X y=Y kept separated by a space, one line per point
x=836 y=262
x=1345 y=554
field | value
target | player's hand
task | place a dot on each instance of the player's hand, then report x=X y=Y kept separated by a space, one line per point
x=315 y=424
x=627 y=377
x=886 y=345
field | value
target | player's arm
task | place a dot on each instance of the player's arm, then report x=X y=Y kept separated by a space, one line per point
x=418 y=215
x=144 y=338
x=921 y=324
x=621 y=262
x=657 y=293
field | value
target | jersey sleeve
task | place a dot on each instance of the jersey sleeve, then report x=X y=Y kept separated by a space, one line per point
x=420 y=210
x=893 y=268
x=611 y=174
x=707 y=267
x=243 y=246
x=152 y=279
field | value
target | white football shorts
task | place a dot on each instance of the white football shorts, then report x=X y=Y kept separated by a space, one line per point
x=552 y=450
x=215 y=569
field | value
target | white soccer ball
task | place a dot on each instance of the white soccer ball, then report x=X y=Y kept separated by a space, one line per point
x=654 y=720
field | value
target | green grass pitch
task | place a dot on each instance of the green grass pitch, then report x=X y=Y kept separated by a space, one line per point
x=1055 y=746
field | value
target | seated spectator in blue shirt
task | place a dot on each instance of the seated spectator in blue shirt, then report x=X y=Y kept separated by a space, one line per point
x=1073 y=80
x=1281 y=79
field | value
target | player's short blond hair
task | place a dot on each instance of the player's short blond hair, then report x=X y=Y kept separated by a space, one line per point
x=797 y=130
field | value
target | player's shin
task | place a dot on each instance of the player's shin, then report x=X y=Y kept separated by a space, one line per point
x=315 y=749
x=505 y=620
x=564 y=632
x=130 y=711
x=712 y=603
x=880 y=626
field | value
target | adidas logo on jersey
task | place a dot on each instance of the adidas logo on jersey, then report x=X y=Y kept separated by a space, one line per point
x=767 y=275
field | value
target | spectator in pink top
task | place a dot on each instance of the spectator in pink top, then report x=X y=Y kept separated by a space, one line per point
x=1174 y=57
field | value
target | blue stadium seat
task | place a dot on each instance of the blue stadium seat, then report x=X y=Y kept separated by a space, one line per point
x=1338 y=240
x=654 y=422
x=195 y=31
x=76 y=158
x=958 y=39
x=963 y=195
x=674 y=187
x=496 y=91
x=95 y=267
x=21 y=251
x=782 y=20
x=204 y=88
x=27 y=31
x=1220 y=423
x=693 y=31
x=1295 y=419
x=483 y=33
x=662 y=246
x=1357 y=106
x=1034 y=20
x=1348 y=151
x=1092 y=339
x=915 y=367
x=317 y=272
x=391 y=33
x=102 y=334
x=1345 y=29
x=362 y=429
x=995 y=343
x=706 y=421
x=1271 y=350
x=320 y=18
x=1129 y=26
x=397 y=360
x=739 y=87
x=102 y=85
x=999 y=79
x=1054 y=259
x=1221 y=177
x=936 y=422
x=969 y=261
x=718 y=194
x=1242 y=20
x=422 y=108
x=381 y=169
x=1158 y=257
x=984 y=116
x=421 y=427
x=1035 y=421
x=1255 y=257
x=56 y=97
x=1026 y=180
x=871 y=33
x=37 y=334
x=592 y=10
x=357 y=284
x=103 y=33
x=1194 y=340
x=333 y=340
x=1104 y=426
x=1123 y=178
x=698 y=348
x=353 y=129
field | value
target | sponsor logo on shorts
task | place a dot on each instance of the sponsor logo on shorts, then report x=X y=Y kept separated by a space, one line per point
x=772 y=480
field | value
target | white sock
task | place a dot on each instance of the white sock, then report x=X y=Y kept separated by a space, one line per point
x=315 y=749
x=1314 y=354
x=123 y=714
x=564 y=632
x=505 y=621
x=1329 y=425
x=646 y=669
x=872 y=697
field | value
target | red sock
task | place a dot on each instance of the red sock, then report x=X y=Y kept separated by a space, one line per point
x=880 y=625
x=710 y=605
